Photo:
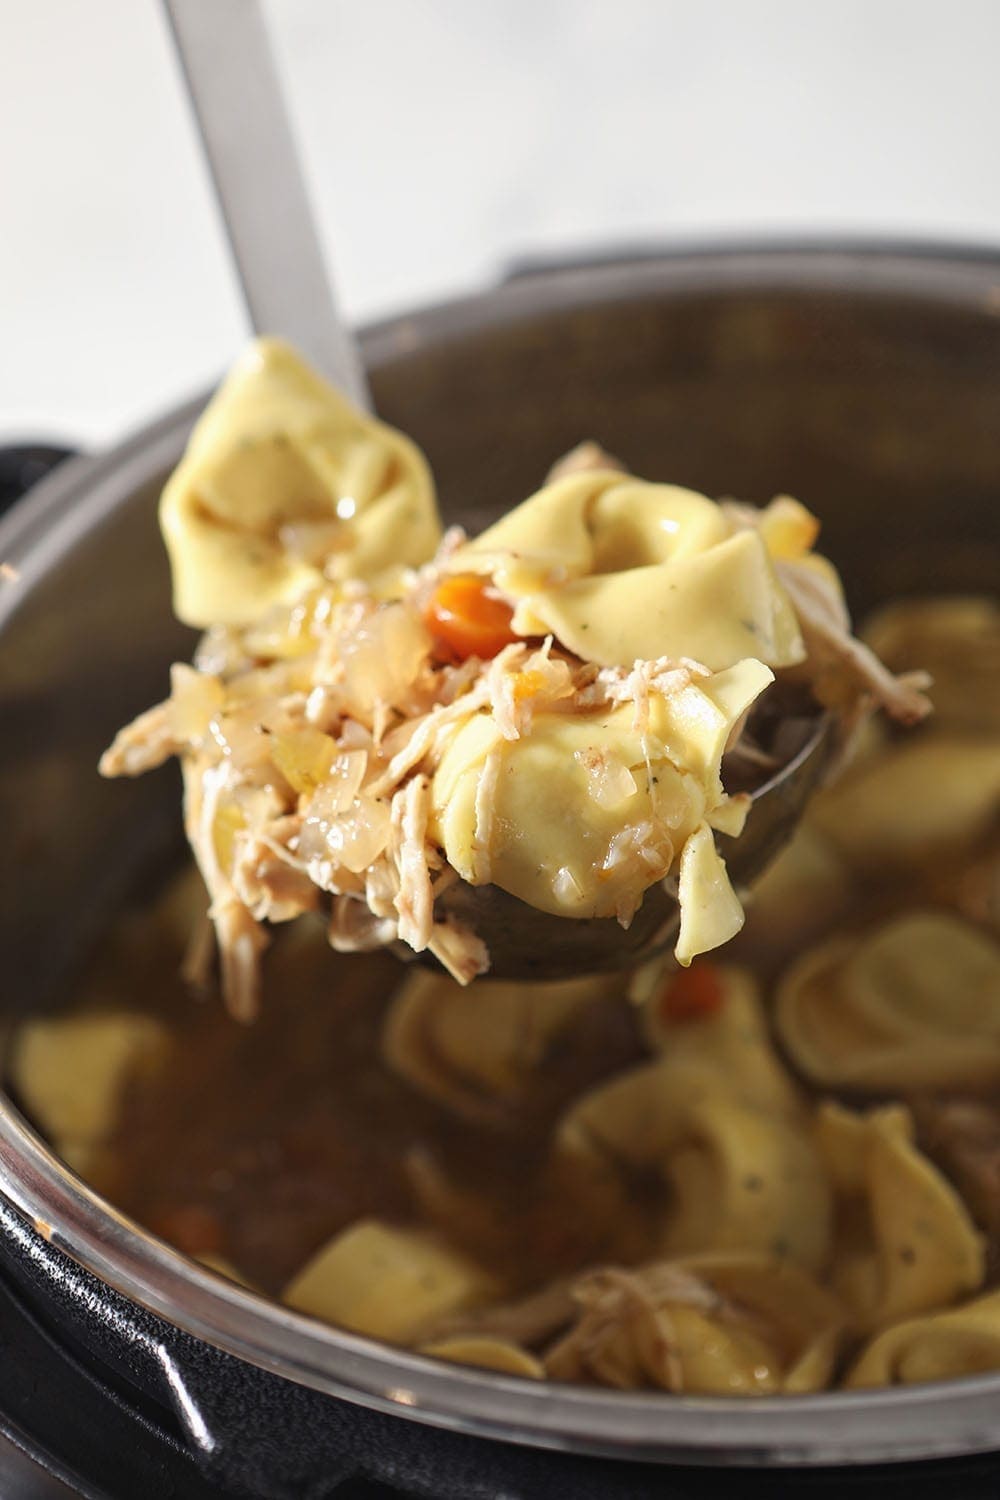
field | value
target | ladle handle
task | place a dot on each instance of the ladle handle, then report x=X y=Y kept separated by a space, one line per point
x=245 y=131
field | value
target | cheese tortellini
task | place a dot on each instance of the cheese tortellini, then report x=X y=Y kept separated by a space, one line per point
x=942 y=1346
x=478 y=1054
x=285 y=484
x=575 y=844
x=387 y=1282
x=905 y=1242
x=722 y=1130
x=71 y=1072
x=726 y=1325
x=921 y=799
x=729 y=1049
x=913 y=1004
x=620 y=570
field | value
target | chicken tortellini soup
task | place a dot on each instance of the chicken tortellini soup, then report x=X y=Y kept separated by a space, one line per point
x=771 y=1169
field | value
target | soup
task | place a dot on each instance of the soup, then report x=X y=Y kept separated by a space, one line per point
x=778 y=1170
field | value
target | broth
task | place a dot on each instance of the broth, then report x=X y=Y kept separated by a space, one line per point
x=256 y=1146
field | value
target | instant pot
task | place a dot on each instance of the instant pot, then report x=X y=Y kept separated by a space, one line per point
x=863 y=379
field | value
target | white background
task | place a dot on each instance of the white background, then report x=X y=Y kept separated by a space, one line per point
x=443 y=138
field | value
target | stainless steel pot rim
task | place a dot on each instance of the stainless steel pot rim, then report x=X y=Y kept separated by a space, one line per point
x=960 y=1416
x=939 y=271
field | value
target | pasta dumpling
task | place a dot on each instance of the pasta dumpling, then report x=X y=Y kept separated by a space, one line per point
x=387 y=1282
x=729 y=1047
x=477 y=1054
x=942 y=1346
x=913 y=1004
x=904 y=1240
x=70 y=1073
x=285 y=484
x=916 y=800
x=720 y=1132
x=739 y=1325
x=620 y=570
x=584 y=811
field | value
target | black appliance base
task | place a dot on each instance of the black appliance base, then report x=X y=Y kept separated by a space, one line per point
x=65 y=1432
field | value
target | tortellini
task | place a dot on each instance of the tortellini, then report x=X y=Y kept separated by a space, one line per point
x=905 y=1242
x=478 y=1052
x=942 y=1346
x=554 y=843
x=729 y=1049
x=720 y=1130
x=619 y=570
x=927 y=796
x=284 y=483
x=913 y=1004
x=70 y=1073
x=739 y=1325
x=386 y=1282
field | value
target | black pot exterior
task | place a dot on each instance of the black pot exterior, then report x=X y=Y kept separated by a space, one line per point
x=179 y=1420
x=866 y=381
x=255 y=1434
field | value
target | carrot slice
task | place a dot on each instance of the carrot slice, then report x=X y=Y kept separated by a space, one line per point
x=465 y=620
x=692 y=994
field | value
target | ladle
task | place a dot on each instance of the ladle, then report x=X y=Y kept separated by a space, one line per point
x=236 y=96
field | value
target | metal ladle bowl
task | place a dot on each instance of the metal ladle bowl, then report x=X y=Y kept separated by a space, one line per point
x=525 y=943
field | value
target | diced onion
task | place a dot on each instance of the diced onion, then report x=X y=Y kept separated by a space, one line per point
x=609 y=780
x=380 y=653
x=305 y=758
x=566 y=888
x=195 y=698
x=354 y=838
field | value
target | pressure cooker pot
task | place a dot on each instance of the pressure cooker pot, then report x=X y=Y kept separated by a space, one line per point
x=865 y=380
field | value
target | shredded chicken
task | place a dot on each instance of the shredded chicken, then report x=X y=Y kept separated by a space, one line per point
x=414 y=900
x=141 y=746
x=270 y=884
x=829 y=642
x=242 y=942
x=196 y=965
x=623 y=1336
x=354 y=927
x=422 y=734
x=458 y=950
x=633 y=685
x=831 y=648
